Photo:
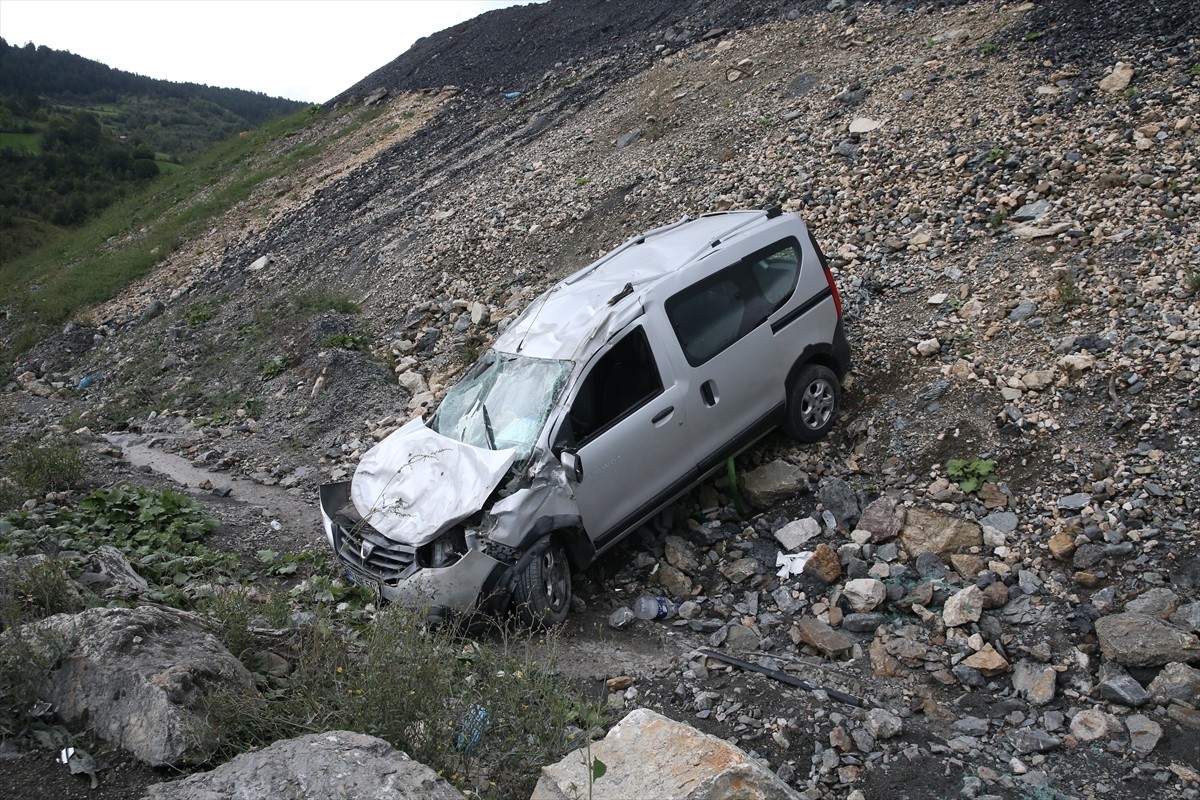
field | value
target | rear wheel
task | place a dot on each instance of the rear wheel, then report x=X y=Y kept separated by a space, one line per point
x=543 y=590
x=812 y=403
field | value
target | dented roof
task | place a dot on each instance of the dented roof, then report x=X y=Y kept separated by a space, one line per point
x=571 y=318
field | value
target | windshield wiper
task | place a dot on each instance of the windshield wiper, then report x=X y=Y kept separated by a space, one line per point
x=487 y=427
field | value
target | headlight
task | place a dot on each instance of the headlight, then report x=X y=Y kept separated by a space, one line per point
x=444 y=550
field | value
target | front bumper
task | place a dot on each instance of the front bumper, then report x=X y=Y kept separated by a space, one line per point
x=393 y=570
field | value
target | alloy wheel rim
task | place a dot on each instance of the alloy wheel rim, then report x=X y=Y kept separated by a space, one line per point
x=816 y=406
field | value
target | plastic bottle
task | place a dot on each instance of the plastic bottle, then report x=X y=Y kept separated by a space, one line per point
x=650 y=607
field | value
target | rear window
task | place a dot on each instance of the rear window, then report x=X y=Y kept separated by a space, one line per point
x=709 y=316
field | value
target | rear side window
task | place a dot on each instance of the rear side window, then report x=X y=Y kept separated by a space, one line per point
x=711 y=315
x=620 y=382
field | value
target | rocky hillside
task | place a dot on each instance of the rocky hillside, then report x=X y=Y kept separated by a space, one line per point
x=1009 y=194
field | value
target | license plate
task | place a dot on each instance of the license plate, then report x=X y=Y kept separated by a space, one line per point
x=364 y=580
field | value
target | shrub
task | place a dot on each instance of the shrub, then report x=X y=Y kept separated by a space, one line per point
x=486 y=715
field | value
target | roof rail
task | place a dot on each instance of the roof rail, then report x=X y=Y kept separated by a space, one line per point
x=639 y=239
x=727 y=234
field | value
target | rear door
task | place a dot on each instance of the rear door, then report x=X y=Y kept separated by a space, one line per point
x=731 y=358
x=625 y=425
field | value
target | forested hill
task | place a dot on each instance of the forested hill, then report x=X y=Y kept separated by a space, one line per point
x=61 y=76
x=77 y=135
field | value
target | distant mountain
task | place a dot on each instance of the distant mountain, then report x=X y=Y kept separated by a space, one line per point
x=76 y=135
x=174 y=118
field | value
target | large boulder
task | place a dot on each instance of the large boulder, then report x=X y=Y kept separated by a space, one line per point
x=1140 y=640
x=649 y=755
x=774 y=483
x=336 y=764
x=141 y=678
x=931 y=532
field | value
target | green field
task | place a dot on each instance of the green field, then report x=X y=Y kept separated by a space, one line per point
x=21 y=142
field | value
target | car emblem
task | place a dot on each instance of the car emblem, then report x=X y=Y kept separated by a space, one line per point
x=365 y=549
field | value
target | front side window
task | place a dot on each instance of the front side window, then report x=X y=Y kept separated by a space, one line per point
x=620 y=382
x=502 y=402
x=712 y=314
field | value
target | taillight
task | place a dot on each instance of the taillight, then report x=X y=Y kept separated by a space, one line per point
x=837 y=298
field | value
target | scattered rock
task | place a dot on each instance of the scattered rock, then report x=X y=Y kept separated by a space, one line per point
x=649 y=755
x=141 y=677
x=333 y=764
x=1138 y=640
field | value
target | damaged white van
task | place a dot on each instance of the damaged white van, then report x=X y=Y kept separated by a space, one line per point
x=614 y=393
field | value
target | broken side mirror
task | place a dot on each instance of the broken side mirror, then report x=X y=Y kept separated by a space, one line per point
x=572 y=463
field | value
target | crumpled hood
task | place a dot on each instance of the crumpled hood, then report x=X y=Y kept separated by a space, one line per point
x=416 y=483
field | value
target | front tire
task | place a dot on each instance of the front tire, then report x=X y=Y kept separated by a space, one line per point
x=543 y=590
x=813 y=401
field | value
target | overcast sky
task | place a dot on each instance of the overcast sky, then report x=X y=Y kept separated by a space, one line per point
x=300 y=49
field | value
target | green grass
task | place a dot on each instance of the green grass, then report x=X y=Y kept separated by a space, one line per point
x=422 y=690
x=91 y=265
x=31 y=468
x=21 y=142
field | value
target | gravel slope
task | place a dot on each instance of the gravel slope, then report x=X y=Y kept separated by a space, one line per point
x=1009 y=194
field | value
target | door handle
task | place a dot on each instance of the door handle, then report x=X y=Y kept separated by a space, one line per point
x=660 y=416
x=708 y=392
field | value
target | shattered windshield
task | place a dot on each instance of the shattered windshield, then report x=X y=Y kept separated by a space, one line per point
x=502 y=402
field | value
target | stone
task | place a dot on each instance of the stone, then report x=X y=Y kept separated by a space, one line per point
x=141 y=678
x=883 y=517
x=1092 y=724
x=742 y=639
x=1118 y=686
x=815 y=633
x=1024 y=310
x=681 y=554
x=1139 y=640
x=1118 y=79
x=773 y=483
x=740 y=570
x=1031 y=212
x=823 y=564
x=864 y=124
x=883 y=724
x=863 y=623
x=864 y=594
x=929 y=347
x=674 y=582
x=1034 y=682
x=1187 y=617
x=117 y=578
x=796 y=534
x=1032 y=740
x=1077 y=362
x=1061 y=545
x=629 y=138
x=931 y=531
x=995 y=595
x=840 y=499
x=967 y=565
x=989 y=662
x=1158 y=602
x=1087 y=555
x=921 y=595
x=331 y=764
x=963 y=607
x=1074 y=502
x=1144 y=733
x=1177 y=682
x=649 y=755
x=1002 y=521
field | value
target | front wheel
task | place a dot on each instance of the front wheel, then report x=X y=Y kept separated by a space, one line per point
x=813 y=400
x=543 y=590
